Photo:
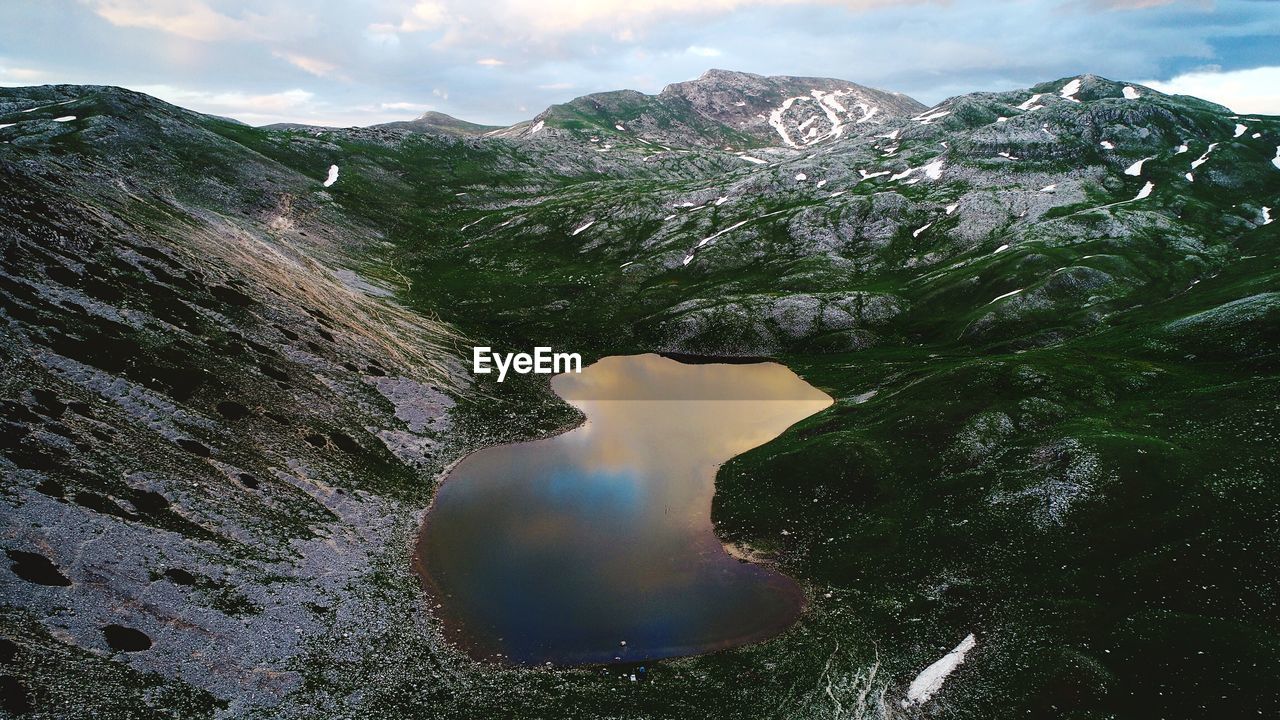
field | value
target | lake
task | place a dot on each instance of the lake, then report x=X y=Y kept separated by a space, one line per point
x=596 y=546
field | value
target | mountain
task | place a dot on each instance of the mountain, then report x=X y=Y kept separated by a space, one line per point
x=1048 y=318
x=433 y=121
x=725 y=109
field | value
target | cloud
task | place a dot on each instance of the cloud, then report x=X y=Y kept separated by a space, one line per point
x=547 y=20
x=1253 y=91
x=490 y=62
x=190 y=19
x=284 y=106
x=315 y=66
x=16 y=76
x=285 y=100
x=1134 y=4
x=409 y=106
x=421 y=16
x=294 y=105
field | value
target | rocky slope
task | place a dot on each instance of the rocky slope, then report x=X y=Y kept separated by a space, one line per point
x=1048 y=318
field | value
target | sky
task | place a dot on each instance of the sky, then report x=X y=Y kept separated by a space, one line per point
x=360 y=62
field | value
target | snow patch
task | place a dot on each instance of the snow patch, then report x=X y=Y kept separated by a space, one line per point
x=709 y=238
x=1008 y=294
x=1069 y=90
x=755 y=160
x=1002 y=119
x=775 y=120
x=1107 y=145
x=932 y=117
x=867 y=176
x=952 y=208
x=722 y=200
x=619 y=127
x=1130 y=92
x=5 y=125
x=999 y=250
x=1030 y=101
x=584 y=226
x=1266 y=215
x=1180 y=149
x=1049 y=188
x=801 y=177
x=1276 y=161
x=537 y=127
x=891 y=135
x=917 y=231
x=929 y=681
x=831 y=107
x=65 y=118
x=1136 y=168
x=933 y=170
x=333 y=176
x=1145 y=191
x=1190 y=177
x=1240 y=130
x=1203 y=158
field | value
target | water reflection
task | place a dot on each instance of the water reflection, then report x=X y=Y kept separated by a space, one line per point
x=564 y=549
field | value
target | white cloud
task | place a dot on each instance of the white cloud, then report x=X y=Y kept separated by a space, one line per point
x=1133 y=4
x=490 y=62
x=315 y=66
x=15 y=76
x=550 y=19
x=409 y=106
x=196 y=19
x=296 y=105
x=421 y=16
x=217 y=102
x=1254 y=91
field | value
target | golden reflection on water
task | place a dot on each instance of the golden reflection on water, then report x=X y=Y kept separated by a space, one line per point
x=560 y=549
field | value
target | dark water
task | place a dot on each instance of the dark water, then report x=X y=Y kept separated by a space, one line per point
x=564 y=549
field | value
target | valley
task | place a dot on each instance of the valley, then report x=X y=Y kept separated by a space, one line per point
x=237 y=367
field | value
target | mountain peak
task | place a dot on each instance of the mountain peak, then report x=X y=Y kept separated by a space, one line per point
x=438 y=122
x=728 y=108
